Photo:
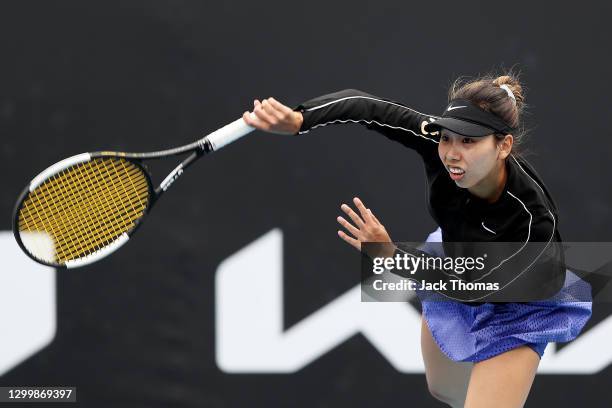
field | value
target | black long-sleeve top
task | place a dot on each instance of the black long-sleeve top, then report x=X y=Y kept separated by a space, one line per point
x=525 y=213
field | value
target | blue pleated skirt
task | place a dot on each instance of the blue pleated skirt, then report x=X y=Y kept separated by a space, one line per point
x=476 y=333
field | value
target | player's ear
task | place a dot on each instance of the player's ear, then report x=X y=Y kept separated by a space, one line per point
x=504 y=146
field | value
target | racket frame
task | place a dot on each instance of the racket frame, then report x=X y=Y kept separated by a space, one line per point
x=210 y=143
x=135 y=158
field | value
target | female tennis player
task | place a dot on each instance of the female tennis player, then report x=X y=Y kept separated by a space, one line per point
x=480 y=190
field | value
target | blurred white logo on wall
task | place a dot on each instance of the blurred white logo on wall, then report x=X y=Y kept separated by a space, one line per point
x=250 y=337
x=27 y=304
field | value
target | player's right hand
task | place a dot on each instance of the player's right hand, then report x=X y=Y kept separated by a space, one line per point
x=272 y=116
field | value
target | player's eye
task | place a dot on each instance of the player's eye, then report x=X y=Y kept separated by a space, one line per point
x=468 y=140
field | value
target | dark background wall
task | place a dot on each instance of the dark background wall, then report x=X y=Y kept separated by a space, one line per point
x=137 y=329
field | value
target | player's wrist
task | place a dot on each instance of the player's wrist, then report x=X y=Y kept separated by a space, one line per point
x=298 y=121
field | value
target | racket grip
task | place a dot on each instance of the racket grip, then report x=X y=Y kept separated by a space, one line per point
x=229 y=133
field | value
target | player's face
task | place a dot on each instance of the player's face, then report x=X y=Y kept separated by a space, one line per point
x=476 y=157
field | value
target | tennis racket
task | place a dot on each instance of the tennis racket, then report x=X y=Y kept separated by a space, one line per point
x=87 y=206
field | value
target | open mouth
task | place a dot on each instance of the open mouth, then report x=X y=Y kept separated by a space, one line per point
x=456 y=173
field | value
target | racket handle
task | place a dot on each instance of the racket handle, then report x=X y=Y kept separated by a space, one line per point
x=229 y=133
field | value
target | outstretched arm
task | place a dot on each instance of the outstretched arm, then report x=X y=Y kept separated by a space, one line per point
x=395 y=120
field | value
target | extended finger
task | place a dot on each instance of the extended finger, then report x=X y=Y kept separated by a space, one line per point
x=348 y=226
x=373 y=216
x=362 y=209
x=349 y=211
x=352 y=241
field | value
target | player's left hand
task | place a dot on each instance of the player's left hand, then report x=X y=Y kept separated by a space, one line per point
x=367 y=227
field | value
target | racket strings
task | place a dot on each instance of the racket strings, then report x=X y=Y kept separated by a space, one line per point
x=87 y=215
x=86 y=206
x=52 y=211
x=69 y=190
x=64 y=222
x=93 y=215
x=96 y=213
